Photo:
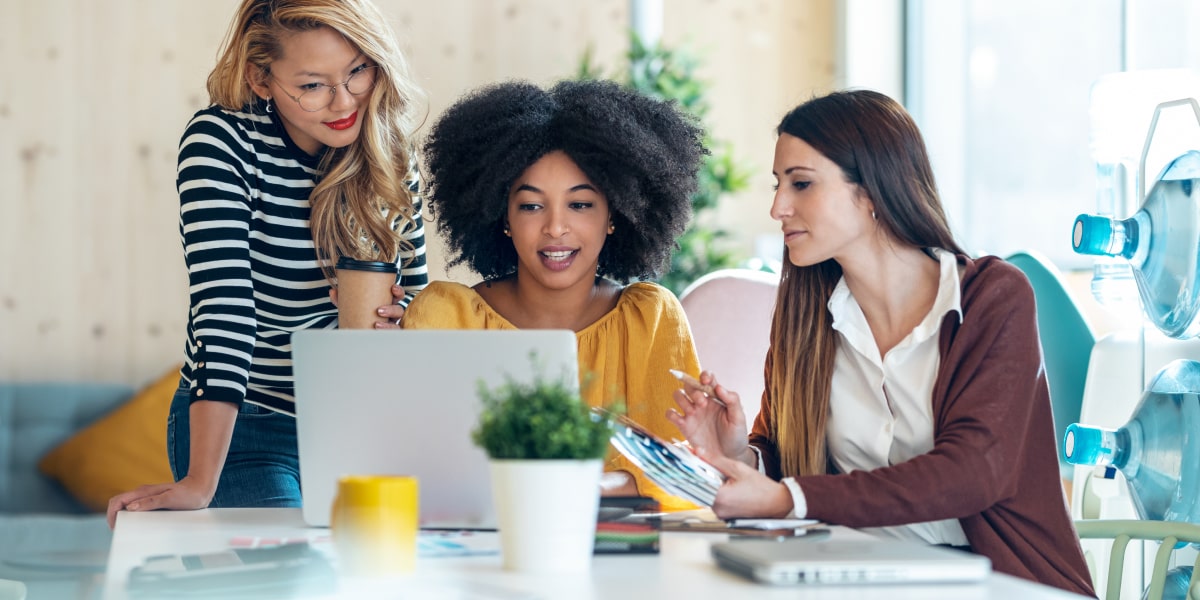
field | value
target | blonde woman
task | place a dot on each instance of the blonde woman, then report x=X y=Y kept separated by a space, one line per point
x=302 y=157
x=905 y=389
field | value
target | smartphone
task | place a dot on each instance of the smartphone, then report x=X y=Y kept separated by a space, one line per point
x=288 y=570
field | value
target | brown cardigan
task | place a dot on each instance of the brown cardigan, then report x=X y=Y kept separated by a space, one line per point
x=994 y=463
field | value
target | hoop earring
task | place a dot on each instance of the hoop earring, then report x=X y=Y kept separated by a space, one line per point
x=873 y=216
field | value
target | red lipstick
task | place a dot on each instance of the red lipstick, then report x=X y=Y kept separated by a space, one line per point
x=341 y=124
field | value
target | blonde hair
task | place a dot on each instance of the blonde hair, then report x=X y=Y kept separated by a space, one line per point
x=362 y=201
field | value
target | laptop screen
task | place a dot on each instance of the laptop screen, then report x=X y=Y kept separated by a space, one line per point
x=404 y=403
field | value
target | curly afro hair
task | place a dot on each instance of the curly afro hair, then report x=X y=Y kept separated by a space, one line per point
x=643 y=154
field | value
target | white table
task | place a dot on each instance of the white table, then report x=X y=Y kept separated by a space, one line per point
x=684 y=569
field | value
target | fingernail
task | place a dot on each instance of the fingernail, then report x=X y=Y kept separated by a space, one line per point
x=380 y=311
x=133 y=506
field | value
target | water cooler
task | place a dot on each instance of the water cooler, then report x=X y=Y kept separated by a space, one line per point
x=1122 y=363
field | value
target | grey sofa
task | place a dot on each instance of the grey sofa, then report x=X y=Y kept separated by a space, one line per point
x=47 y=540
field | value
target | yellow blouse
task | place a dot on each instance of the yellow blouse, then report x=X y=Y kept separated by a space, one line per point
x=628 y=352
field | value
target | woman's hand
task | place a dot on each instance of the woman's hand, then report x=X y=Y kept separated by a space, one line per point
x=747 y=493
x=184 y=494
x=709 y=425
x=391 y=312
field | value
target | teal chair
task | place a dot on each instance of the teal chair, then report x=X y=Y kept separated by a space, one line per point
x=1067 y=341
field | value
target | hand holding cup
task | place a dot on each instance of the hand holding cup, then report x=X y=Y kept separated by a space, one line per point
x=362 y=287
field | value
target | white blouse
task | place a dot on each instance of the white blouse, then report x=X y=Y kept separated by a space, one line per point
x=881 y=407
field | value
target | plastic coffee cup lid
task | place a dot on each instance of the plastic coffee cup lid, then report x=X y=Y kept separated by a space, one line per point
x=376 y=266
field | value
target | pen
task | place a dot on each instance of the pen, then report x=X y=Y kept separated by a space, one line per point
x=692 y=382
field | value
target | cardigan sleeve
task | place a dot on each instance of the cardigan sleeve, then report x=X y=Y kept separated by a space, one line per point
x=989 y=381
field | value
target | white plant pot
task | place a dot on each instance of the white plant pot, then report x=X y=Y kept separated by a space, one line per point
x=546 y=510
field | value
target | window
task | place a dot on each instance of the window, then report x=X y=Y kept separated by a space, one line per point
x=1001 y=91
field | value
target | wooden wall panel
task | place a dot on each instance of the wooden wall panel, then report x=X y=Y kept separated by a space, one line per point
x=761 y=58
x=94 y=97
x=11 y=171
x=455 y=46
x=94 y=287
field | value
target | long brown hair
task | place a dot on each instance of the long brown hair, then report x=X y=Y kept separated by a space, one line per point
x=362 y=202
x=876 y=144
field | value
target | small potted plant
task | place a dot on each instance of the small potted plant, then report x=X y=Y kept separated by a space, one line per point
x=546 y=449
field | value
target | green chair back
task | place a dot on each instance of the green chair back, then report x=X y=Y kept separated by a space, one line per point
x=1122 y=531
x=1067 y=341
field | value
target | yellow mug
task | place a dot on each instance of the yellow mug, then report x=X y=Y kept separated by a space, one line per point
x=374 y=525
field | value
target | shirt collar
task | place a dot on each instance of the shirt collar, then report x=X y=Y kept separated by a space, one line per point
x=847 y=314
x=949 y=295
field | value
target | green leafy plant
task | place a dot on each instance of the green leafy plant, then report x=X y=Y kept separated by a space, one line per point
x=670 y=74
x=545 y=419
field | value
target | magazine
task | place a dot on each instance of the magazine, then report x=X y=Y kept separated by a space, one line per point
x=674 y=468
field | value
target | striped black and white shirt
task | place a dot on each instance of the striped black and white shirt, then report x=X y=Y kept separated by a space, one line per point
x=253 y=272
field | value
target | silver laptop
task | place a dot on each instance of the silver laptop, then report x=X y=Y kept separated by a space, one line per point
x=404 y=403
x=793 y=561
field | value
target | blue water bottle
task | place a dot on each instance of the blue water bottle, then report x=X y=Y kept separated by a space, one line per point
x=1158 y=450
x=1175 y=587
x=1161 y=241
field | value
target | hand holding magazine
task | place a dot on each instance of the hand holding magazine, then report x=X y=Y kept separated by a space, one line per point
x=675 y=469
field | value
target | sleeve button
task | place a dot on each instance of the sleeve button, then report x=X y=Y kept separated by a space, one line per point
x=199 y=393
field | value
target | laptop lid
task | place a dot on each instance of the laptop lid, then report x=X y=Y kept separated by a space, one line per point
x=798 y=560
x=404 y=403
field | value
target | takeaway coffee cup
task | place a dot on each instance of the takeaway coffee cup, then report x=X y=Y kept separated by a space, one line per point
x=363 y=286
x=374 y=523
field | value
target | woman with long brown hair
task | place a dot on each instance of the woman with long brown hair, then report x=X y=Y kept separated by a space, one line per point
x=904 y=382
x=303 y=157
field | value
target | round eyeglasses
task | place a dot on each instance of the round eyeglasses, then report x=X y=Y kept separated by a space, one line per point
x=318 y=96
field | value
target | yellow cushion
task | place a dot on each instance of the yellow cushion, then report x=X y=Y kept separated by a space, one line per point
x=125 y=449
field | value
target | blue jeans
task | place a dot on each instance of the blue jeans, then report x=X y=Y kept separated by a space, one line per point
x=263 y=464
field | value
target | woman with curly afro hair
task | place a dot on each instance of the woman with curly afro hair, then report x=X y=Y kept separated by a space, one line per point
x=559 y=198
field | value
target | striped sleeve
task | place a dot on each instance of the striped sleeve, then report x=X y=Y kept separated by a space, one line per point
x=414 y=272
x=214 y=219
